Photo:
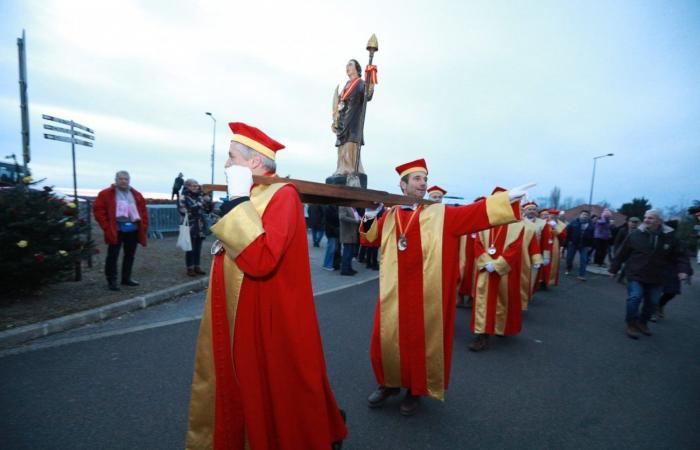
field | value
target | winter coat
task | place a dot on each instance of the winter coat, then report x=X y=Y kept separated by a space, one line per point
x=580 y=238
x=332 y=221
x=602 y=229
x=349 y=226
x=620 y=237
x=105 y=211
x=315 y=216
x=196 y=207
x=651 y=257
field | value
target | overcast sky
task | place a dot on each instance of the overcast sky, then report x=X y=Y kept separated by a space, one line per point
x=489 y=93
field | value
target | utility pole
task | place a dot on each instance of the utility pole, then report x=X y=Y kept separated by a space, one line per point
x=23 y=106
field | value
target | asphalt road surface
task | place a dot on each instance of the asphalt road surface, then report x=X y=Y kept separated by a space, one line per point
x=570 y=380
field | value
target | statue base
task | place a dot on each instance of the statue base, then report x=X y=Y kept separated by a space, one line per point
x=342 y=180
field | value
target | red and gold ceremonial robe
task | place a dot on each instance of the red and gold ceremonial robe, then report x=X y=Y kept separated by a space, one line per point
x=550 y=273
x=544 y=237
x=496 y=308
x=414 y=320
x=531 y=256
x=260 y=376
x=466 y=263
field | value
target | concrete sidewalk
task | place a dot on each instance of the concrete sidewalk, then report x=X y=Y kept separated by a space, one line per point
x=323 y=281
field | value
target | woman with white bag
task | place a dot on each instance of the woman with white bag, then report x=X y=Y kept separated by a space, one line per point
x=193 y=205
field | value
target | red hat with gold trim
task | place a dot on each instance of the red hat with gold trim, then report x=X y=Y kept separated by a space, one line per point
x=498 y=189
x=530 y=204
x=255 y=139
x=436 y=189
x=556 y=212
x=418 y=165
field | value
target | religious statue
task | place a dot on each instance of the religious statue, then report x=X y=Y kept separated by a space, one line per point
x=349 y=109
x=348 y=123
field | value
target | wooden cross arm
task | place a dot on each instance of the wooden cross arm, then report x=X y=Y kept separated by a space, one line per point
x=331 y=194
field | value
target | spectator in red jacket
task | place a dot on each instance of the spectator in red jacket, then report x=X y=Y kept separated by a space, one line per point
x=121 y=212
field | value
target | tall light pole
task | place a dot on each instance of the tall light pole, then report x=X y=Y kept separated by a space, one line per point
x=213 y=146
x=595 y=159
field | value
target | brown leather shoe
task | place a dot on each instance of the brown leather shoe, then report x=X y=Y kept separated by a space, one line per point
x=632 y=331
x=643 y=328
x=409 y=404
x=198 y=270
x=377 y=398
x=190 y=272
x=481 y=342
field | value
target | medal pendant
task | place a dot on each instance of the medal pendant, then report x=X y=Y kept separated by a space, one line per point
x=341 y=105
x=492 y=250
x=403 y=243
x=217 y=247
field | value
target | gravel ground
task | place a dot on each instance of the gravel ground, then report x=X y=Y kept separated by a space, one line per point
x=159 y=265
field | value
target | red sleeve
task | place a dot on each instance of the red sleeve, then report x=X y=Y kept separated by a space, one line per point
x=279 y=222
x=460 y=220
x=99 y=210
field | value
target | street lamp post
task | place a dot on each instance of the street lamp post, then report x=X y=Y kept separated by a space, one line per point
x=595 y=159
x=213 y=146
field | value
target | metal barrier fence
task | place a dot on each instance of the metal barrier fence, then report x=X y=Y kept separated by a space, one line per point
x=162 y=219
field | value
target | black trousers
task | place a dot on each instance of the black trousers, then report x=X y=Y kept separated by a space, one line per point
x=371 y=256
x=130 y=241
x=601 y=250
x=193 y=256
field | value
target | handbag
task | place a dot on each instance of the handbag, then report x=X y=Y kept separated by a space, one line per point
x=184 y=241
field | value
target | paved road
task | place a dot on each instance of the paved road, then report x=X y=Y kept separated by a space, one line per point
x=570 y=380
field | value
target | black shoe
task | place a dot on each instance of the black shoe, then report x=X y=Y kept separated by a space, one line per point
x=409 y=404
x=130 y=282
x=377 y=398
x=480 y=343
x=112 y=286
x=349 y=273
x=543 y=286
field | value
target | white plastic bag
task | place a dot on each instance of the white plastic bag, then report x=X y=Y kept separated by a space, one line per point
x=184 y=241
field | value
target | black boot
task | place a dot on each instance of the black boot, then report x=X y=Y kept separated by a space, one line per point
x=112 y=284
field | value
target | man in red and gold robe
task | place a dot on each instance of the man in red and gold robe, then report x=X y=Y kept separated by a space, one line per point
x=436 y=193
x=532 y=261
x=260 y=376
x=414 y=321
x=497 y=293
x=544 y=238
x=550 y=273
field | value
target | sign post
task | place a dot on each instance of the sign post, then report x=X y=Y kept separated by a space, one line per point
x=71 y=132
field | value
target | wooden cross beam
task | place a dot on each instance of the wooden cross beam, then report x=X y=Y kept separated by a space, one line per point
x=331 y=194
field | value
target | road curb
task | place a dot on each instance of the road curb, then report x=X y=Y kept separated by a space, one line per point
x=36 y=330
